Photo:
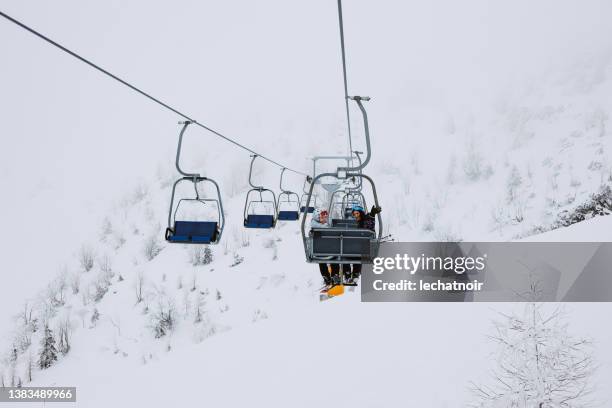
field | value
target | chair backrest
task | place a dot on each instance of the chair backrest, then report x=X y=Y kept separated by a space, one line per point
x=200 y=231
x=288 y=215
x=342 y=242
x=349 y=223
x=259 y=221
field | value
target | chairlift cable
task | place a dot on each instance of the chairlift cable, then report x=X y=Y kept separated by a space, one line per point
x=141 y=92
x=346 y=97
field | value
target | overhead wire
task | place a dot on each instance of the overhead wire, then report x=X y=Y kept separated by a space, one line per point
x=346 y=98
x=143 y=93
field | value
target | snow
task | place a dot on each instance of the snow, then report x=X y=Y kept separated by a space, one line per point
x=594 y=230
x=454 y=128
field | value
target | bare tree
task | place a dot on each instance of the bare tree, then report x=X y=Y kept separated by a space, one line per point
x=75 y=283
x=86 y=258
x=539 y=364
x=106 y=265
x=152 y=247
x=163 y=320
x=64 y=331
x=139 y=287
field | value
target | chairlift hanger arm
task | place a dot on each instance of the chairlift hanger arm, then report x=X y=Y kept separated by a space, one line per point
x=178 y=151
x=254 y=156
x=362 y=165
x=280 y=184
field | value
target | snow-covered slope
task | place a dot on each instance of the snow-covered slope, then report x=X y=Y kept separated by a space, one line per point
x=451 y=162
x=247 y=327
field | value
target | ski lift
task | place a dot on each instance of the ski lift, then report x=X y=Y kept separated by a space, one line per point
x=291 y=204
x=200 y=231
x=344 y=244
x=254 y=217
x=310 y=209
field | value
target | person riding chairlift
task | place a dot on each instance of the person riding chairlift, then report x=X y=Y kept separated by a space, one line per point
x=368 y=221
x=329 y=272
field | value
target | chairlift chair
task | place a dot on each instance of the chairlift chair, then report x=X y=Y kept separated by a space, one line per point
x=291 y=203
x=201 y=231
x=310 y=209
x=346 y=243
x=253 y=218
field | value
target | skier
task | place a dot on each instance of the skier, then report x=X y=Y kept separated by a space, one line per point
x=367 y=221
x=320 y=219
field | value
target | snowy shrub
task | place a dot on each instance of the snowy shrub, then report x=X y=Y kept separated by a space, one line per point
x=86 y=258
x=199 y=305
x=139 y=287
x=473 y=163
x=48 y=352
x=270 y=243
x=200 y=255
x=204 y=331
x=118 y=240
x=518 y=208
x=538 y=363
x=75 y=283
x=63 y=341
x=95 y=316
x=237 y=259
x=600 y=203
x=246 y=240
x=105 y=264
x=55 y=291
x=163 y=320
x=140 y=193
x=106 y=230
x=152 y=247
x=259 y=315
x=513 y=184
x=100 y=287
x=22 y=338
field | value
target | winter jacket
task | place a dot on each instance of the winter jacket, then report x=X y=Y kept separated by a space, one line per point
x=367 y=221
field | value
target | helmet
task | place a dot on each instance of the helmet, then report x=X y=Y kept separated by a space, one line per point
x=357 y=207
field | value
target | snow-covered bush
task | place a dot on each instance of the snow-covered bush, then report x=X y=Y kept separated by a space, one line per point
x=163 y=319
x=152 y=247
x=237 y=259
x=538 y=363
x=599 y=203
x=86 y=258
x=200 y=255
x=48 y=352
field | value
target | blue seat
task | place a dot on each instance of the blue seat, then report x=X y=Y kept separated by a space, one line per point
x=310 y=209
x=288 y=215
x=259 y=221
x=200 y=232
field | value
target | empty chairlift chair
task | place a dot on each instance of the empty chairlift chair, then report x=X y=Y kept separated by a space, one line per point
x=310 y=209
x=203 y=229
x=255 y=213
x=288 y=209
